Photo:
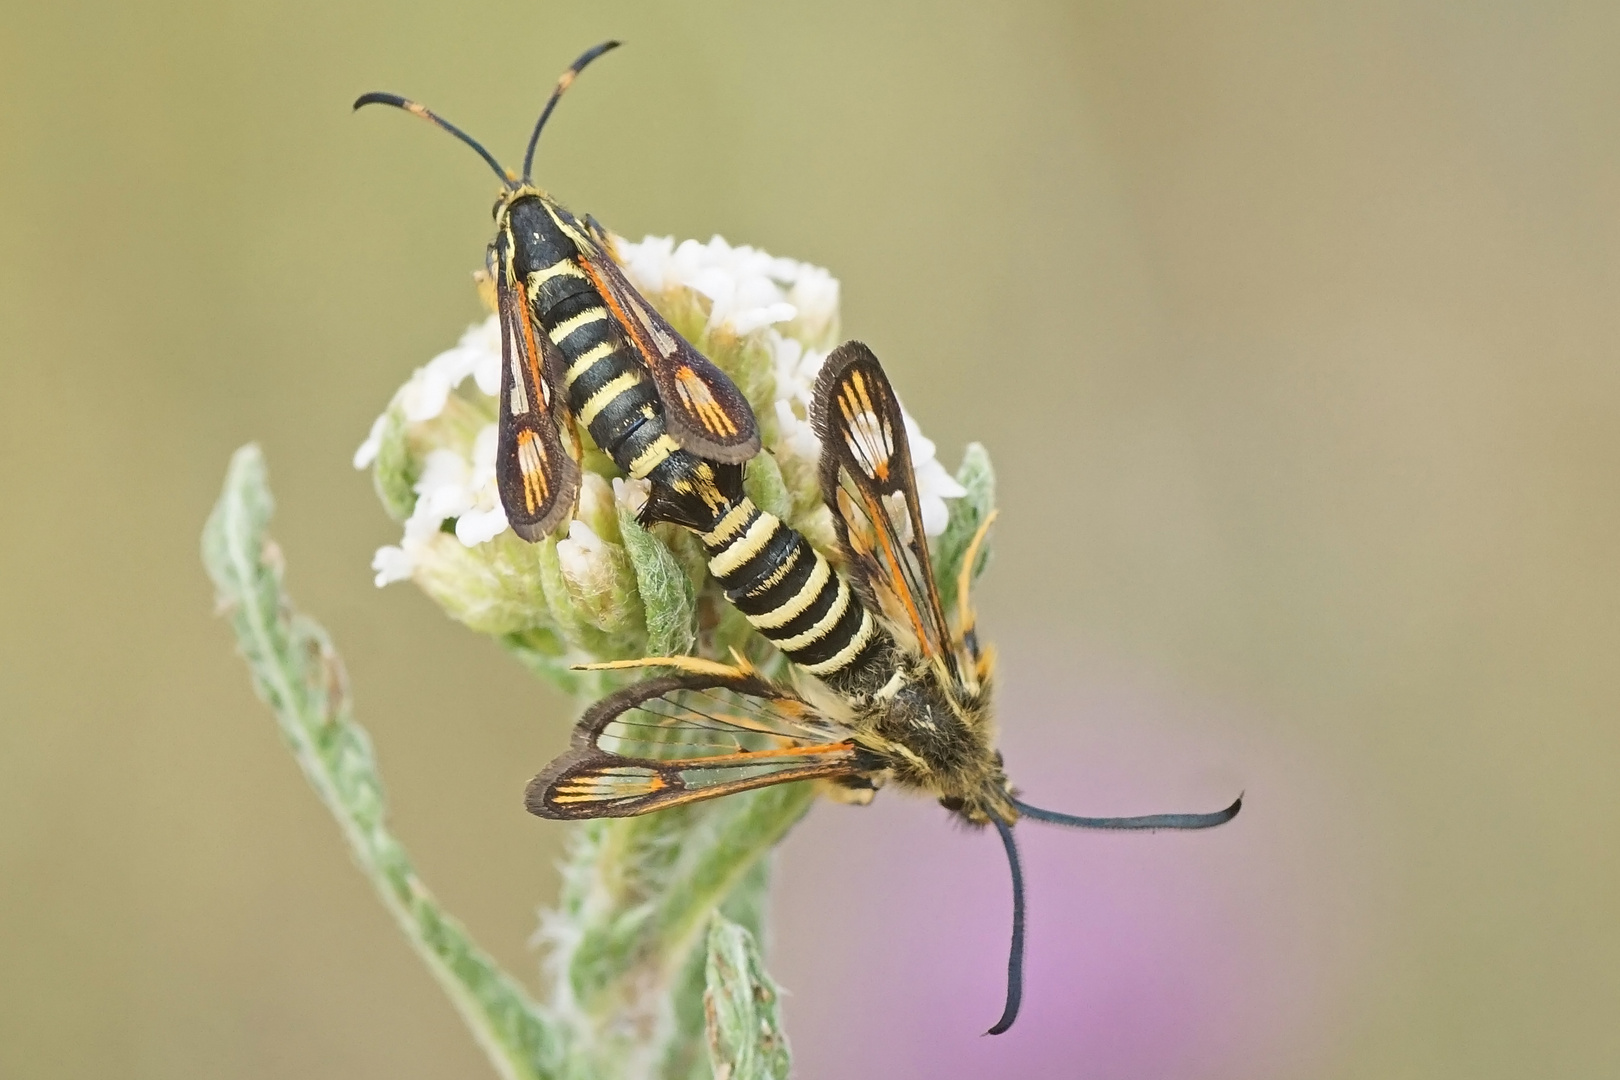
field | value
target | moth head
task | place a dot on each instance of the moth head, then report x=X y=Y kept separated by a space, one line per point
x=509 y=197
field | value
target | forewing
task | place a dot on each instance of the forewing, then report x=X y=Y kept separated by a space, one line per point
x=867 y=481
x=537 y=478
x=703 y=409
x=682 y=738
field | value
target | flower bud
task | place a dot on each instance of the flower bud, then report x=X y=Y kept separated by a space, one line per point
x=597 y=506
x=631 y=495
x=494 y=587
x=600 y=581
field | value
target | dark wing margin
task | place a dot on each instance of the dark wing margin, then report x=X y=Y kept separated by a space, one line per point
x=537 y=478
x=865 y=470
x=703 y=409
x=683 y=738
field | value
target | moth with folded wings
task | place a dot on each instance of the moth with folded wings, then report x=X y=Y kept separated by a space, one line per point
x=581 y=347
x=911 y=707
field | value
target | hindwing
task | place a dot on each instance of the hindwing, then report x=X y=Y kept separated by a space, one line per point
x=683 y=738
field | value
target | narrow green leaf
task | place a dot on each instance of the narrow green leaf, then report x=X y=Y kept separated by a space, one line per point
x=299 y=674
x=395 y=472
x=746 y=1041
x=764 y=484
x=667 y=596
x=688 y=1058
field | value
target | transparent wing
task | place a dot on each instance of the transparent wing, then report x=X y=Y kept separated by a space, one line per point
x=867 y=481
x=682 y=738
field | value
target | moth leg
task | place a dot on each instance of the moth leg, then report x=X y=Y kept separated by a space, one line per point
x=856 y=790
x=570 y=426
x=964 y=578
x=694 y=664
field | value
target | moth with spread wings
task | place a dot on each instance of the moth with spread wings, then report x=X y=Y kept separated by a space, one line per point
x=908 y=705
x=580 y=345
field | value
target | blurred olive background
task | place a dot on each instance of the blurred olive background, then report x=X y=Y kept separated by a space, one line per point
x=1292 y=330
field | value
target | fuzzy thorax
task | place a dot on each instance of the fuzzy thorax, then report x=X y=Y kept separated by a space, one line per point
x=937 y=739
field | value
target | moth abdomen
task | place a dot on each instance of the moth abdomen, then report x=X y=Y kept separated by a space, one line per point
x=789 y=592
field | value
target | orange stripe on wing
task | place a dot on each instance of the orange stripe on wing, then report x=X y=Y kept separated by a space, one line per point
x=695 y=392
x=748 y=757
x=900 y=586
x=621 y=316
x=531 y=358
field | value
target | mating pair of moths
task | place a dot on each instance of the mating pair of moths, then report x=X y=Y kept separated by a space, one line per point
x=900 y=691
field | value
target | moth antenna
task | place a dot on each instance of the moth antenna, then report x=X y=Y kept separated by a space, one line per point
x=1146 y=821
x=417 y=109
x=1015 y=954
x=564 y=81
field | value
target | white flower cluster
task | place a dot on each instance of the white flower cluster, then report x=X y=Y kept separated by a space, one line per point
x=752 y=290
x=791 y=306
x=748 y=290
x=450 y=486
x=796 y=371
x=453 y=483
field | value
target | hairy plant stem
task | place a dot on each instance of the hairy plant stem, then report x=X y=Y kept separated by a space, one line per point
x=630 y=952
x=299 y=674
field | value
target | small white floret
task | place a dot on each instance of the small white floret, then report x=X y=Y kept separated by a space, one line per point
x=477 y=526
x=583 y=558
x=367 y=453
x=631 y=494
x=391 y=564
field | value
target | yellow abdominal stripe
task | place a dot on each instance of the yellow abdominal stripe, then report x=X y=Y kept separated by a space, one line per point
x=729 y=524
x=783 y=569
x=568 y=326
x=750 y=544
x=560 y=268
x=604 y=397
x=652 y=457
x=795 y=605
x=586 y=360
x=823 y=625
x=849 y=652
